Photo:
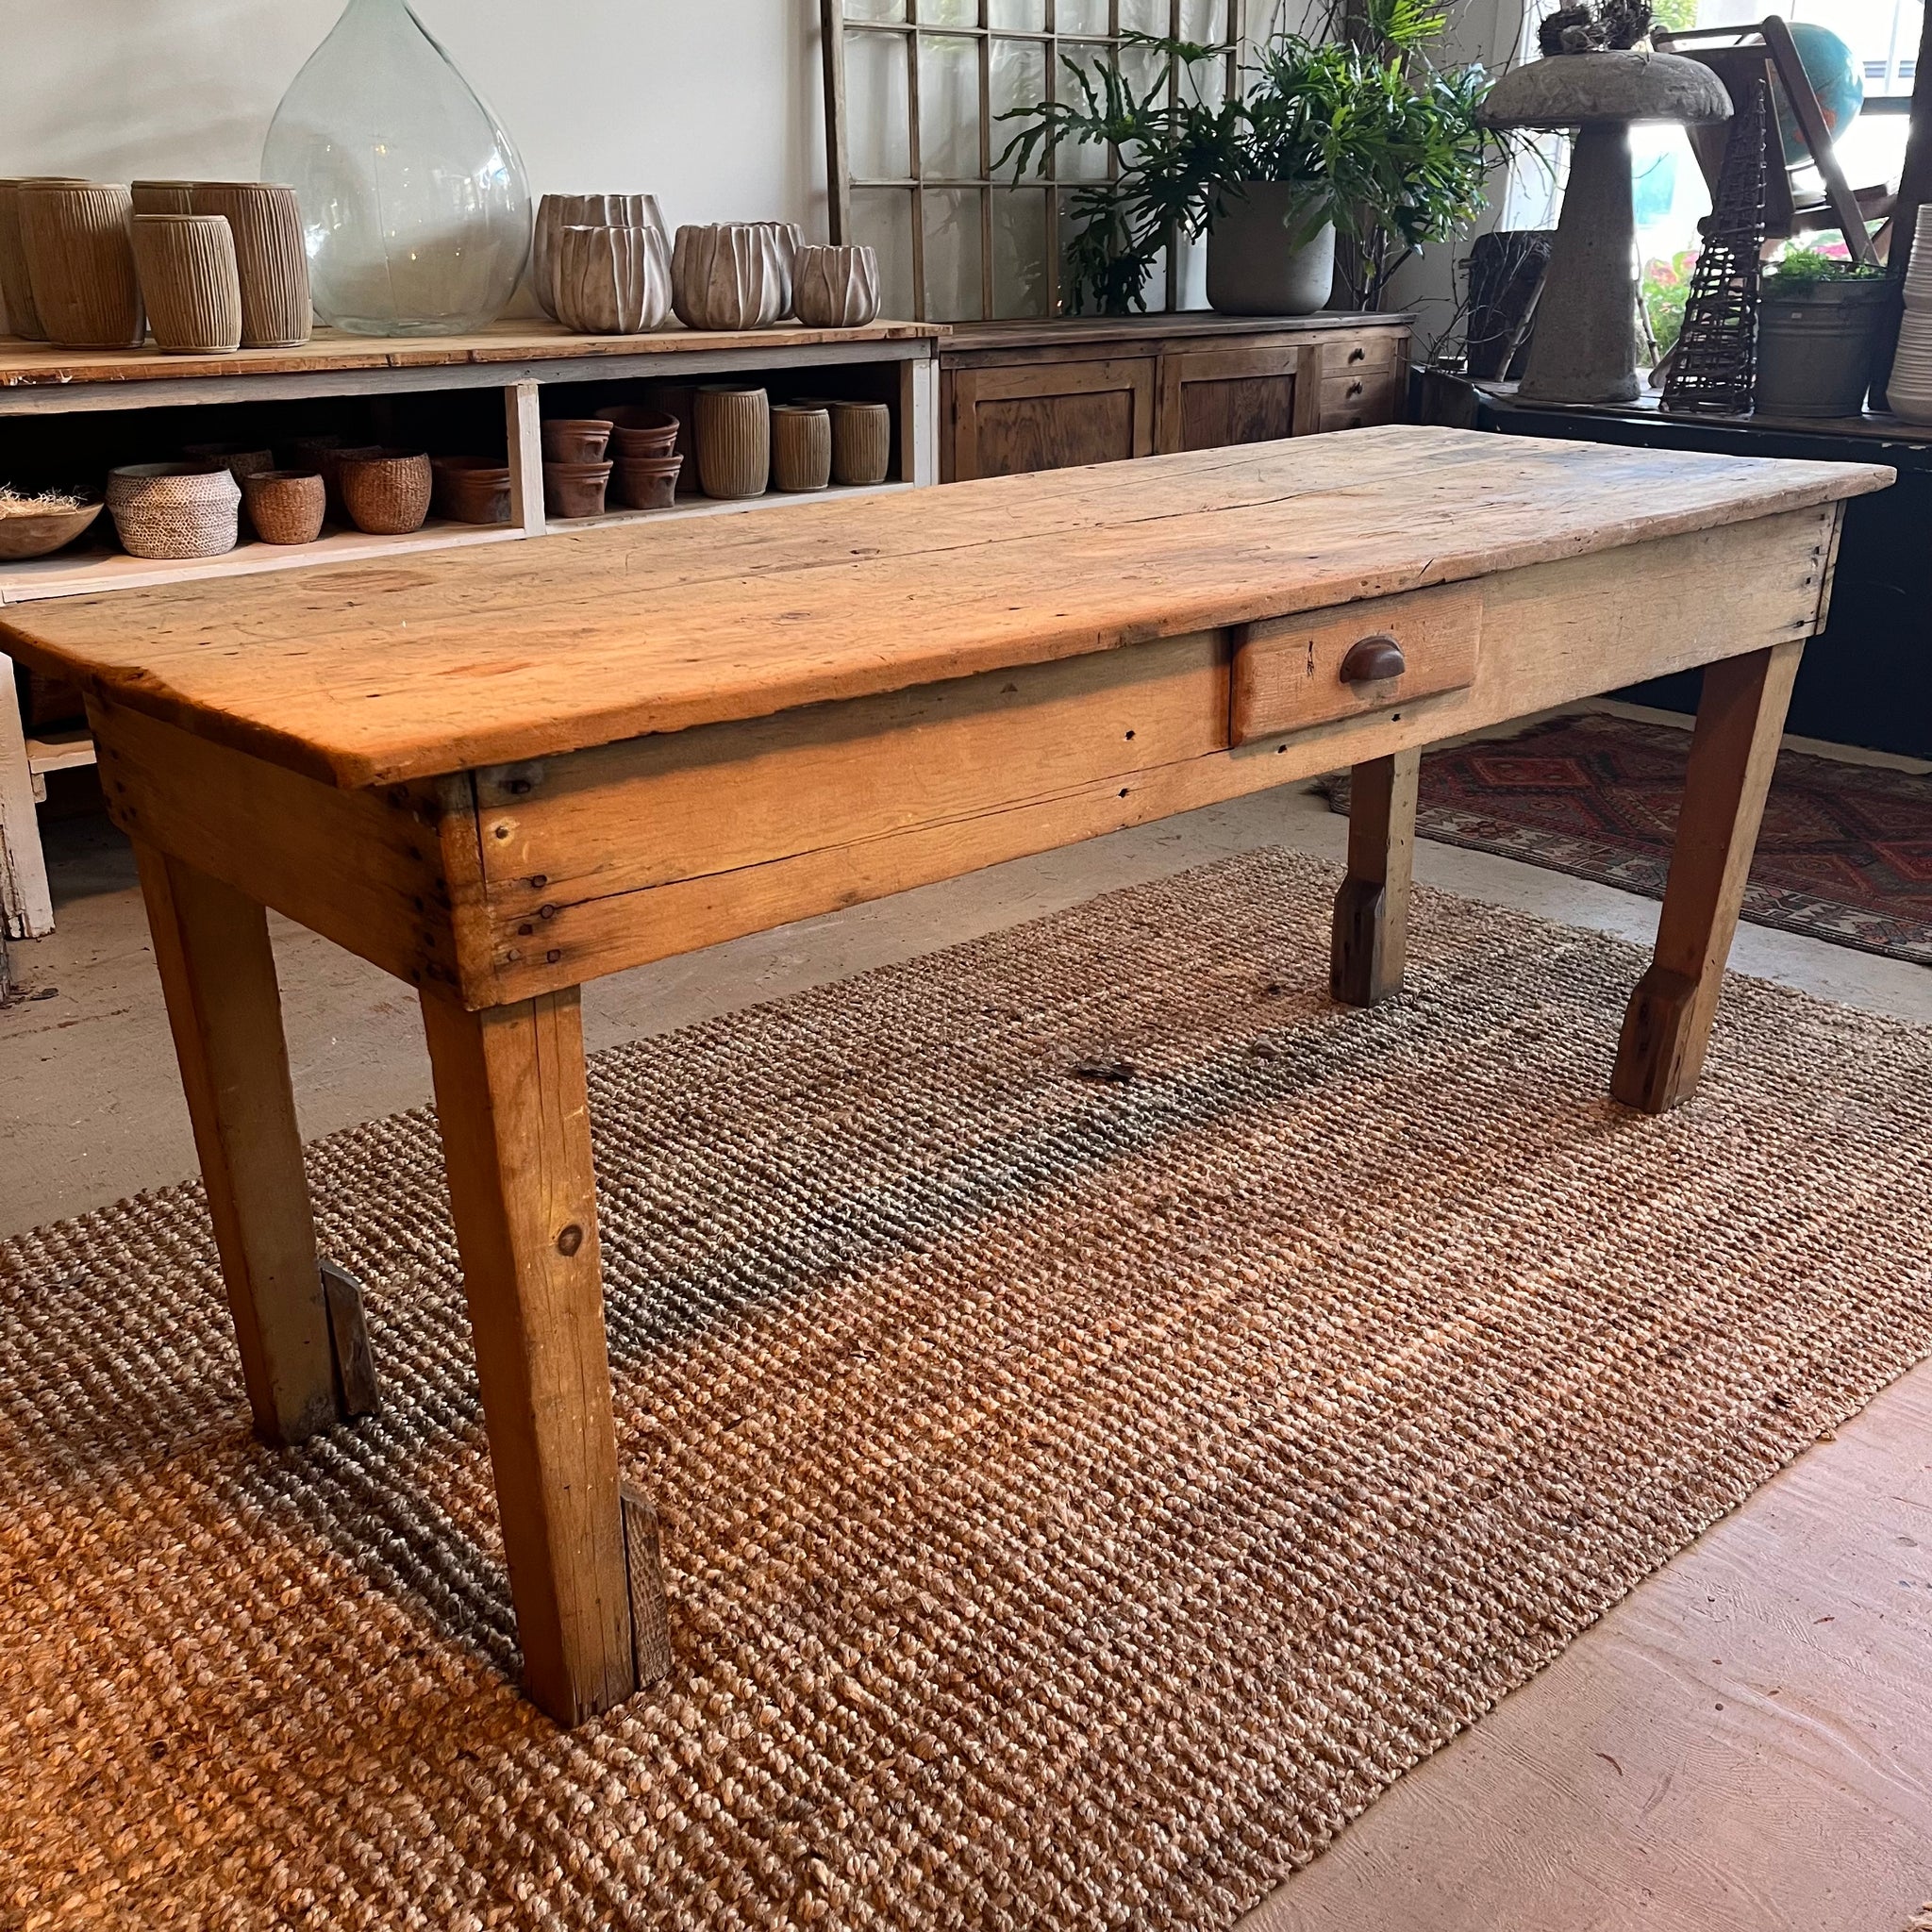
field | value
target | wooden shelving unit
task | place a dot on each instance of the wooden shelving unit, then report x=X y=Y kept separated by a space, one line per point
x=893 y=360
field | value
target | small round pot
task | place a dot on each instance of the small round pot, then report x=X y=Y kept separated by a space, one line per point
x=1816 y=347
x=734 y=440
x=637 y=432
x=472 y=489
x=42 y=532
x=861 y=444
x=190 y=282
x=580 y=439
x=801 y=447
x=1262 y=256
x=648 y=482
x=576 y=489
x=330 y=455
x=387 y=494
x=238 y=458
x=170 y=510
x=285 y=506
x=837 y=287
x=614 y=281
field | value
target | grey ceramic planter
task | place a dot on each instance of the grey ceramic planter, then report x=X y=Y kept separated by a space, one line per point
x=1252 y=265
x=1815 y=347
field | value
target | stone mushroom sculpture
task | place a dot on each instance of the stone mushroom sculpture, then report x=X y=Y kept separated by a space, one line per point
x=1584 y=346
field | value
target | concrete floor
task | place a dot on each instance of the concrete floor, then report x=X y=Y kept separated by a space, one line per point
x=1739 y=1745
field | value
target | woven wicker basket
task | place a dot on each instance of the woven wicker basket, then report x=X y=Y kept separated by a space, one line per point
x=387 y=494
x=171 y=510
x=285 y=506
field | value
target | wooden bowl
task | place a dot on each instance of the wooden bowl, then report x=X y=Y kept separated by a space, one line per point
x=386 y=492
x=43 y=532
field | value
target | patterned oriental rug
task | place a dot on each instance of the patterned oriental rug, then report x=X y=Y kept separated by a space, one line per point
x=1845 y=853
x=1112 y=1412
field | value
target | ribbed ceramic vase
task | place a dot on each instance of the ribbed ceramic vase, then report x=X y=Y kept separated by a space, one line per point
x=416 y=204
x=80 y=258
x=861 y=442
x=555 y=212
x=801 y=447
x=266 y=219
x=612 y=281
x=731 y=276
x=189 y=282
x=837 y=287
x=16 y=283
x=733 y=438
x=164 y=197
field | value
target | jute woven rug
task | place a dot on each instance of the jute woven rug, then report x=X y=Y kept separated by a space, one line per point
x=1111 y=1413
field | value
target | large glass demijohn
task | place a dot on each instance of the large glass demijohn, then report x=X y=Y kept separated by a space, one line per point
x=415 y=204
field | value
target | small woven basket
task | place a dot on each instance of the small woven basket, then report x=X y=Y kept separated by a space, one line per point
x=387 y=494
x=167 y=510
x=285 y=506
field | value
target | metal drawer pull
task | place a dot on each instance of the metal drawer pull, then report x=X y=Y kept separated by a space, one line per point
x=1373 y=658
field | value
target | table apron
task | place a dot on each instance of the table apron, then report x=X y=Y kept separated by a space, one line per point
x=520 y=880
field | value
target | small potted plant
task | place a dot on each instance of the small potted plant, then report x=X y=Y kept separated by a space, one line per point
x=1359 y=136
x=1817 y=321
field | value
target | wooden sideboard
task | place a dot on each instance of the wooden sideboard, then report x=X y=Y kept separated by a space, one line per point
x=1016 y=396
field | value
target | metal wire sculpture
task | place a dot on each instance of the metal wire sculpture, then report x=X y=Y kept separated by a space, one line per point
x=1714 y=366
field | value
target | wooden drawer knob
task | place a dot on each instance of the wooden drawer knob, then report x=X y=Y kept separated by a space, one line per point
x=1373 y=658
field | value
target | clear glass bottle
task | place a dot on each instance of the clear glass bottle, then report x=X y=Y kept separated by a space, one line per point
x=415 y=205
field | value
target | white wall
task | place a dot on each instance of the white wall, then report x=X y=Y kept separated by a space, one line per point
x=711 y=105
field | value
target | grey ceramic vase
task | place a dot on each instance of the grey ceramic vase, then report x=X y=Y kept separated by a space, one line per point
x=1257 y=263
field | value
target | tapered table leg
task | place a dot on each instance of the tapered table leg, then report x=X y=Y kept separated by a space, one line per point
x=1370 y=941
x=1733 y=754
x=511 y=1098
x=211 y=944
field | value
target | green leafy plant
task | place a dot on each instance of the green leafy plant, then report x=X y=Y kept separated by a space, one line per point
x=1385 y=143
x=1801 y=268
x=1666 y=291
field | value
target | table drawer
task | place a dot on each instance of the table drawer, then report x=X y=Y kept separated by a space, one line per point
x=1320 y=665
x=1354 y=402
x=1359 y=355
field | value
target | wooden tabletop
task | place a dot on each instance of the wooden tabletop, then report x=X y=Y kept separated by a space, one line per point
x=42 y=365
x=366 y=673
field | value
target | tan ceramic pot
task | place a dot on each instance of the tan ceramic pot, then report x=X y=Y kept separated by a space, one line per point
x=837 y=287
x=612 y=281
x=734 y=440
x=81 y=258
x=16 y=283
x=801 y=447
x=729 y=277
x=270 y=255
x=861 y=442
x=559 y=211
x=164 y=197
x=190 y=282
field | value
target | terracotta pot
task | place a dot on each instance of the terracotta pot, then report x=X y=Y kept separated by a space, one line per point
x=387 y=494
x=801 y=447
x=163 y=197
x=80 y=258
x=612 y=281
x=285 y=506
x=270 y=255
x=16 y=283
x=576 y=489
x=42 y=532
x=190 y=282
x=169 y=511
x=861 y=442
x=330 y=455
x=556 y=211
x=733 y=438
x=639 y=431
x=837 y=287
x=648 y=482
x=729 y=277
x=575 y=440
x=238 y=458
x=472 y=489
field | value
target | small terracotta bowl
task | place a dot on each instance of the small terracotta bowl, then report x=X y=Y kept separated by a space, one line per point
x=576 y=489
x=472 y=489
x=648 y=482
x=386 y=493
x=285 y=506
x=581 y=439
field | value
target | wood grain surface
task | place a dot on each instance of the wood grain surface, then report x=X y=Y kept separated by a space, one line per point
x=366 y=674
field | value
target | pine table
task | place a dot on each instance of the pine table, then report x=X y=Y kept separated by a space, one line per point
x=501 y=772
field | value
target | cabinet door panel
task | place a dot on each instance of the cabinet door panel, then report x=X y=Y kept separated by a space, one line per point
x=1051 y=416
x=1214 y=398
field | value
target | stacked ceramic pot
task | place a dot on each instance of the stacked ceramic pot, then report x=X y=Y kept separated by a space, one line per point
x=601 y=264
x=1909 y=391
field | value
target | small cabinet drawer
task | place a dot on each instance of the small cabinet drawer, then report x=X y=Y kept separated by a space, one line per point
x=1320 y=665
x=1361 y=354
x=1354 y=402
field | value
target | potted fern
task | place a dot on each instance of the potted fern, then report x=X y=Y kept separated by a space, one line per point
x=1361 y=137
x=1818 y=318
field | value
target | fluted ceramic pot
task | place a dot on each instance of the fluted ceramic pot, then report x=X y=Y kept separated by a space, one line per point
x=730 y=275
x=16 y=283
x=791 y=239
x=801 y=447
x=837 y=287
x=861 y=442
x=190 y=283
x=555 y=212
x=734 y=439
x=79 y=244
x=164 y=197
x=612 y=281
x=270 y=259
